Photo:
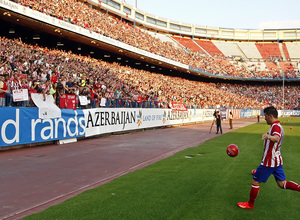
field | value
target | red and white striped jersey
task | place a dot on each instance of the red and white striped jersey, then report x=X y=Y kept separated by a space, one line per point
x=272 y=156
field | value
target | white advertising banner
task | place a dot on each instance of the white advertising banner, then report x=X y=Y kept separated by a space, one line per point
x=101 y=121
x=20 y=95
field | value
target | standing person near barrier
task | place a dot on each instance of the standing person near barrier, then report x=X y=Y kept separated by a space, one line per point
x=219 y=124
x=3 y=91
x=230 y=119
x=8 y=94
x=272 y=160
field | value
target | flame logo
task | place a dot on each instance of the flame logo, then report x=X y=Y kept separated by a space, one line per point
x=139 y=117
x=164 y=117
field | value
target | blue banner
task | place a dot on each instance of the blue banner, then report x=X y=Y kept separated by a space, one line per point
x=223 y=114
x=23 y=126
x=246 y=113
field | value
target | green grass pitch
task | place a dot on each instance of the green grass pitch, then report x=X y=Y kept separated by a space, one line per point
x=207 y=184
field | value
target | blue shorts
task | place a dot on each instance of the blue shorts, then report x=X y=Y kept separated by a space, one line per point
x=263 y=173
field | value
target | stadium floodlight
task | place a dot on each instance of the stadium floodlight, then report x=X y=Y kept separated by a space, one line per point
x=11 y=31
x=59 y=44
x=36 y=37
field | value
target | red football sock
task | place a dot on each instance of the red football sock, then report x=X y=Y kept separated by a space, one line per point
x=253 y=194
x=292 y=185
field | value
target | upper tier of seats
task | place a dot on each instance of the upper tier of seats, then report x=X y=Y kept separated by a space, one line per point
x=228 y=49
x=162 y=37
x=286 y=52
x=209 y=47
x=268 y=50
x=250 y=50
x=293 y=50
x=189 y=43
x=103 y=23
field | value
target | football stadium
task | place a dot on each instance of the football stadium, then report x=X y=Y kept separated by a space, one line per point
x=110 y=112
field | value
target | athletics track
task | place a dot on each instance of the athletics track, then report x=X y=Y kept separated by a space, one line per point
x=32 y=179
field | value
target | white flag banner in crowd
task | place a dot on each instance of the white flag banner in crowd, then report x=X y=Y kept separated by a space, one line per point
x=20 y=95
x=47 y=108
x=103 y=102
x=83 y=100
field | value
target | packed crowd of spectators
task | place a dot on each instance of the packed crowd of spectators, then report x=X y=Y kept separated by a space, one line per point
x=80 y=13
x=268 y=94
x=56 y=72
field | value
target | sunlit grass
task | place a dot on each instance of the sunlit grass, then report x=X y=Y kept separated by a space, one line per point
x=205 y=185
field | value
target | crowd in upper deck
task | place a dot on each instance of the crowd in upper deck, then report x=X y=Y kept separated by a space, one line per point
x=56 y=72
x=80 y=13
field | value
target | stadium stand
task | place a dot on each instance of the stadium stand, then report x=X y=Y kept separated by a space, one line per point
x=220 y=64
x=250 y=50
x=188 y=43
x=266 y=94
x=273 y=70
x=209 y=47
x=286 y=66
x=123 y=86
x=289 y=70
x=293 y=50
x=285 y=51
x=269 y=50
x=111 y=26
x=228 y=49
x=258 y=69
x=162 y=37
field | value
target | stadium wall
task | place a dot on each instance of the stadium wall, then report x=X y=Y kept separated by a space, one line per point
x=27 y=126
